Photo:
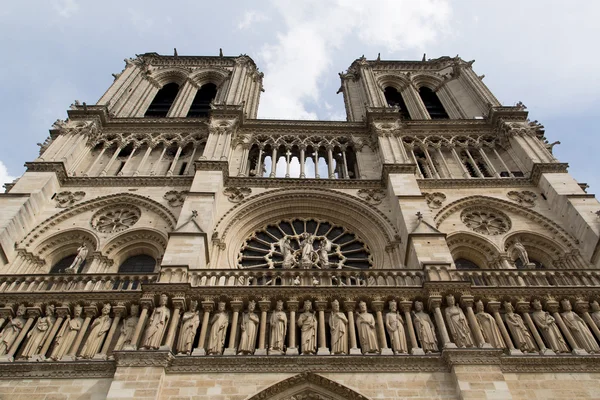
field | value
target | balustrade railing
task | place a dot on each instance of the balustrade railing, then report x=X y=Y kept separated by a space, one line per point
x=74 y=283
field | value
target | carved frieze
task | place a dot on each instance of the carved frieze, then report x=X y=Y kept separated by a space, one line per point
x=175 y=198
x=372 y=196
x=525 y=198
x=237 y=194
x=67 y=198
x=435 y=199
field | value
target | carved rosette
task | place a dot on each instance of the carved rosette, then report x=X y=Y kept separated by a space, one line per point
x=525 y=198
x=175 y=198
x=67 y=199
x=486 y=221
x=237 y=194
x=435 y=199
x=372 y=196
x=115 y=218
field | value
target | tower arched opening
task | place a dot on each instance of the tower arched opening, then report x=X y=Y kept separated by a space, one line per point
x=160 y=106
x=432 y=103
x=200 y=107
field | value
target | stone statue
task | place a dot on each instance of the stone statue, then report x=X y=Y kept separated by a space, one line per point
x=365 y=323
x=394 y=325
x=98 y=330
x=457 y=323
x=338 y=326
x=307 y=250
x=128 y=327
x=82 y=253
x=595 y=314
x=579 y=330
x=287 y=252
x=189 y=325
x=520 y=333
x=248 y=329
x=308 y=328
x=425 y=329
x=12 y=330
x=547 y=326
x=489 y=328
x=67 y=335
x=37 y=336
x=518 y=248
x=278 y=329
x=157 y=325
x=218 y=330
x=323 y=253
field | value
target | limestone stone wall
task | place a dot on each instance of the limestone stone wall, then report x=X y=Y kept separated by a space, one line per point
x=54 y=389
x=550 y=386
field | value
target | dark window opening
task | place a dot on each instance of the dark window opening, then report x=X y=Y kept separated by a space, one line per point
x=182 y=169
x=518 y=174
x=162 y=101
x=120 y=168
x=138 y=264
x=126 y=151
x=394 y=99
x=519 y=264
x=200 y=107
x=432 y=103
x=64 y=263
x=463 y=263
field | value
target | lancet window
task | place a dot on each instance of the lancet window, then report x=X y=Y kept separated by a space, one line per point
x=304 y=244
x=141 y=263
x=394 y=99
x=160 y=106
x=200 y=107
x=432 y=103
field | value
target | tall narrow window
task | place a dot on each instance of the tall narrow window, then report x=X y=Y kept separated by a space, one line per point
x=432 y=103
x=162 y=101
x=201 y=105
x=394 y=99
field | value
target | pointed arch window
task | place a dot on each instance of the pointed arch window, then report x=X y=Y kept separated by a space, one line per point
x=432 y=103
x=160 y=106
x=64 y=263
x=394 y=99
x=141 y=264
x=201 y=104
x=463 y=263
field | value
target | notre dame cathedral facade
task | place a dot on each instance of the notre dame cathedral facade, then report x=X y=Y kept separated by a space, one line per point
x=168 y=244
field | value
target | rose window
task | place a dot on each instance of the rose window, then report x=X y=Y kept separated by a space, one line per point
x=486 y=222
x=115 y=218
x=304 y=244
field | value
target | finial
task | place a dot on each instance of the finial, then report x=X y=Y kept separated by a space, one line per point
x=378 y=56
x=195 y=214
x=220 y=52
x=424 y=55
x=419 y=215
x=175 y=51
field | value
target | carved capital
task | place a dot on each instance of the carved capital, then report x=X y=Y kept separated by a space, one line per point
x=63 y=311
x=582 y=306
x=377 y=305
x=236 y=305
x=523 y=306
x=552 y=306
x=119 y=310
x=292 y=305
x=178 y=302
x=35 y=311
x=90 y=311
x=493 y=306
x=264 y=305
x=434 y=301
x=349 y=305
x=405 y=306
x=321 y=305
x=466 y=300
x=208 y=305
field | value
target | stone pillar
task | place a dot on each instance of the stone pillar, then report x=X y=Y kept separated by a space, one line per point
x=207 y=306
x=292 y=306
x=62 y=312
x=378 y=308
x=523 y=308
x=90 y=312
x=582 y=307
x=146 y=305
x=178 y=305
x=119 y=311
x=32 y=314
x=350 y=306
x=236 y=306
x=406 y=307
x=323 y=350
x=494 y=308
x=467 y=302
x=265 y=306
x=553 y=308
x=434 y=303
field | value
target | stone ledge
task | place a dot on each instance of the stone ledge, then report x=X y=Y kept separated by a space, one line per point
x=58 y=370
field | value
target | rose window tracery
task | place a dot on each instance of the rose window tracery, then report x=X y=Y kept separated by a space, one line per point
x=486 y=222
x=116 y=218
x=304 y=244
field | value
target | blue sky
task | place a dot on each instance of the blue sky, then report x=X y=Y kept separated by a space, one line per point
x=540 y=52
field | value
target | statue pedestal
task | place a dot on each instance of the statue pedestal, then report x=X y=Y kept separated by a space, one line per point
x=68 y=358
x=199 y=352
x=164 y=347
x=291 y=351
x=549 y=352
x=515 y=352
x=36 y=358
x=230 y=351
x=129 y=347
x=486 y=346
x=386 y=351
x=275 y=352
x=355 y=351
x=417 y=351
x=100 y=357
x=323 y=351
x=579 y=352
x=6 y=358
x=450 y=345
x=260 y=352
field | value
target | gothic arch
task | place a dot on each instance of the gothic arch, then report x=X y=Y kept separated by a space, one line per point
x=134 y=242
x=430 y=81
x=473 y=248
x=364 y=220
x=539 y=247
x=308 y=385
x=65 y=243
x=213 y=75
x=562 y=236
x=140 y=201
x=397 y=81
x=177 y=75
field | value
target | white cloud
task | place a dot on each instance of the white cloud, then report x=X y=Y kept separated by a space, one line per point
x=315 y=29
x=4 y=176
x=250 y=18
x=65 y=8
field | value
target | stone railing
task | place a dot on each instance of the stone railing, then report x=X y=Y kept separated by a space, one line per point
x=294 y=277
x=74 y=283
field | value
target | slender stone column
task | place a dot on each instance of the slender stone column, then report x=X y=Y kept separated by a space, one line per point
x=448 y=172
x=430 y=162
x=346 y=174
x=119 y=312
x=377 y=306
x=323 y=350
x=144 y=158
x=236 y=306
x=494 y=308
x=273 y=163
x=288 y=153
x=523 y=307
x=191 y=159
x=292 y=306
x=302 y=160
x=330 y=162
x=475 y=166
x=207 y=306
x=98 y=157
x=265 y=306
x=122 y=172
x=62 y=312
x=316 y=155
x=510 y=174
x=434 y=303
x=90 y=312
x=259 y=163
x=583 y=308
x=350 y=306
x=552 y=307
x=135 y=338
x=406 y=307
x=112 y=160
x=32 y=314
x=157 y=163
x=467 y=302
x=178 y=305
x=466 y=173
x=174 y=163
x=489 y=163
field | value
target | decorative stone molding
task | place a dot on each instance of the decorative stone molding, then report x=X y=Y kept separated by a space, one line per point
x=67 y=199
x=175 y=198
x=115 y=218
x=237 y=194
x=525 y=198
x=57 y=370
x=485 y=220
x=435 y=199
x=372 y=196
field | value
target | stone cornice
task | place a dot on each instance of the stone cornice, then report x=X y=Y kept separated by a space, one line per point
x=473 y=183
x=127 y=181
x=58 y=370
x=296 y=182
x=543 y=168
